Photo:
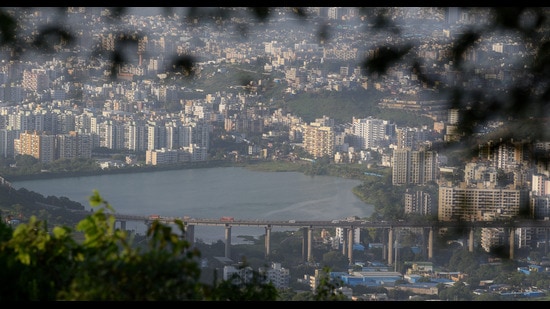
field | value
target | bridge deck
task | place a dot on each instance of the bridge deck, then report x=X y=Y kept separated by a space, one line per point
x=341 y=223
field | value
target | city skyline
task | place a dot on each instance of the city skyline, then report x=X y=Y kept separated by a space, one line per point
x=424 y=98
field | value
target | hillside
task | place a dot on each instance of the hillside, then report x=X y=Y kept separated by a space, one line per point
x=342 y=106
x=21 y=204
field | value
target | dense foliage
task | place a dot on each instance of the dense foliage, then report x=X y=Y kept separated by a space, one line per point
x=43 y=265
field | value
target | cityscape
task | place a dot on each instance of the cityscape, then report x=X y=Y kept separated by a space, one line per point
x=199 y=88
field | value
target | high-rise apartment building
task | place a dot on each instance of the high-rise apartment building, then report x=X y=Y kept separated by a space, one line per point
x=368 y=132
x=318 y=140
x=200 y=131
x=414 y=166
x=406 y=138
x=540 y=207
x=7 y=138
x=453 y=15
x=277 y=275
x=50 y=147
x=401 y=161
x=479 y=204
x=38 y=145
x=35 y=80
x=453 y=117
x=111 y=134
x=108 y=42
x=418 y=202
x=74 y=145
x=156 y=136
x=540 y=185
x=135 y=136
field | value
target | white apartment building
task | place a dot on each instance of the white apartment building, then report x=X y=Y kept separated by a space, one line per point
x=277 y=275
x=477 y=204
x=368 y=132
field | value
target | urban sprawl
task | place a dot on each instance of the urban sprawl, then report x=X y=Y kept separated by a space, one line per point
x=66 y=104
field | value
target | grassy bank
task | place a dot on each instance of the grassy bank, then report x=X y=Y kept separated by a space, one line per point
x=276 y=166
x=119 y=170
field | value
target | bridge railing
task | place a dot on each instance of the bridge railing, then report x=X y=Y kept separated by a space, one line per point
x=521 y=223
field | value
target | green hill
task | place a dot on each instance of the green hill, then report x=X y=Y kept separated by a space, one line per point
x=21 y=204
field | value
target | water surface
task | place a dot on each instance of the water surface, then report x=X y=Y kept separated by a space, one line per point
x=213 y=193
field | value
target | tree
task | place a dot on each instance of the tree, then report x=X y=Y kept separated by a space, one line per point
x=26 y=160
x=303 y=296
x=458 y=292
x=43 y=265
x=463 y=261
x=488 y=297
x=335 y=260
x=327 y=289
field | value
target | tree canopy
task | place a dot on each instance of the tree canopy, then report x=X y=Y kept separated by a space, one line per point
x=43 y=264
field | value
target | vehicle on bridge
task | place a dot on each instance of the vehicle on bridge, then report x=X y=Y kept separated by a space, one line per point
x=227 y=219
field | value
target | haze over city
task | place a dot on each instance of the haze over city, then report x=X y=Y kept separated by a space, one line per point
x=440 y=133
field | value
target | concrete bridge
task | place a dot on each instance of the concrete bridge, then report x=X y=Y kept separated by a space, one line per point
x=348 y=226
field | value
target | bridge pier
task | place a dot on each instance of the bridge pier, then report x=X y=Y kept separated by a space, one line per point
x=471 y=240
x=350 y=245
x=390 y=246
x=190 y=234
x=267 y=240
x=228 y=241
x=309 y=242
x=431 y=244
x=545 y=241
x=304 y=245
x=147 y=225
x=511 y=241
x=344 y=241
x=122 y=224
x=388 y=253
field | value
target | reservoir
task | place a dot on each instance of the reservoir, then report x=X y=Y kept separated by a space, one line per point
x=212 y=193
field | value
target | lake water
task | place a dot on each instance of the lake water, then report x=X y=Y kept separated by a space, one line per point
x=213 y=193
